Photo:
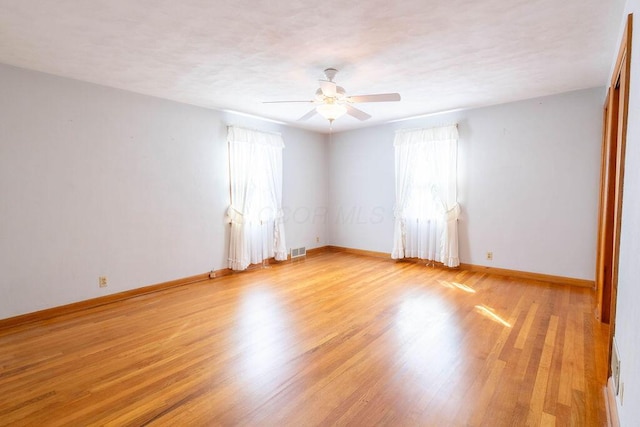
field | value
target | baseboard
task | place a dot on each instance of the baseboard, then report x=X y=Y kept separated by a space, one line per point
x=317 y=251
x=478 y=268
x=610 y=403
x=570 y=281
x=107 y=299
x=96 y=302
x=49 y=313
x=358 y=252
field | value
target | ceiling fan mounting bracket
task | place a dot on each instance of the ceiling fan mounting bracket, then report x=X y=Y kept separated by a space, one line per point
x=330 y=73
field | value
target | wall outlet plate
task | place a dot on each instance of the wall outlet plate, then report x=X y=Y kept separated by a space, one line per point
x=102 y=281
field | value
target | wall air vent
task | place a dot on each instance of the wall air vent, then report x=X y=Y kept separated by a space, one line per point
x=298 y=252
x=615 y=367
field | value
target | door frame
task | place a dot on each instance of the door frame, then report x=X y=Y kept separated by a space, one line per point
x=612 y=184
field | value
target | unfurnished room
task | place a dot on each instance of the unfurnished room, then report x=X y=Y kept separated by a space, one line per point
x=297 y=213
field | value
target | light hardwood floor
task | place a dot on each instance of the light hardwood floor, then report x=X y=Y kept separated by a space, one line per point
x=336 y=339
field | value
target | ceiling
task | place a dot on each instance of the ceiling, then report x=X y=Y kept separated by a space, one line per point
x=233 y=55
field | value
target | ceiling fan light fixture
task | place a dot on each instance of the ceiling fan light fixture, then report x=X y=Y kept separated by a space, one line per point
x=332 y=101
x=331 y=111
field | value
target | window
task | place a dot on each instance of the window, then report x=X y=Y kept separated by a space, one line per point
x=255 y=213
x=426 y=211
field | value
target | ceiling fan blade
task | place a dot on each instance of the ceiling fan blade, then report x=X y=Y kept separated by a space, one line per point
x=282 y=102
x=358 y=114
x=381 y=97
x=308 y=115
x=328 y=88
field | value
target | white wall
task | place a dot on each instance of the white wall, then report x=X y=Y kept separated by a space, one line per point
x=529 y=176
x=627 y=331
x=304 y=193
x=98 y=181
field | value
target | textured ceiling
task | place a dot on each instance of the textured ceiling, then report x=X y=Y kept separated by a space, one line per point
x=438 y=54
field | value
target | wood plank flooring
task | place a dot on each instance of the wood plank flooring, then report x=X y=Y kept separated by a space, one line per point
x=336 y=339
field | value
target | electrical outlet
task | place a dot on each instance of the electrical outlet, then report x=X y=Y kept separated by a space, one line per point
x=317 y=239
x=490 y=256
x=102 y=281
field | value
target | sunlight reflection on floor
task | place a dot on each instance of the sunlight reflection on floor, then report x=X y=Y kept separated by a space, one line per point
x=491 y=314
x=419 y=313
x=263 y=338
x=425 y=325
x=455 y=285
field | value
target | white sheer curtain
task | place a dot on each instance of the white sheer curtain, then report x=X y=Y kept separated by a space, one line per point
x=257 y=231
x=426 y=211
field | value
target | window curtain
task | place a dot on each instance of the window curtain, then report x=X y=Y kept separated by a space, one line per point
x=426 y=210
x=255 y=213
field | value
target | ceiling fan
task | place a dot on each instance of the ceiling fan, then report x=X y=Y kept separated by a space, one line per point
x=332 y=101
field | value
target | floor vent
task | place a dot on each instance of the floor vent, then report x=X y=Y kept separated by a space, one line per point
x=298 y=252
